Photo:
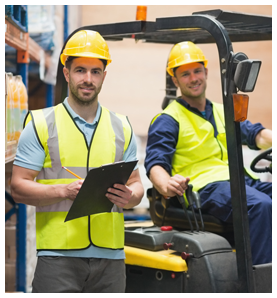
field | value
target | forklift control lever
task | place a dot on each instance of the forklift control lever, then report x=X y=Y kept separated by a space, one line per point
x=186 y=256
x=197 y=201
x=167 y=246
x=190 y=199
x=183 y=204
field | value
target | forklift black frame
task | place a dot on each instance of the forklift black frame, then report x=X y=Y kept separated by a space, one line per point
x=222 y=28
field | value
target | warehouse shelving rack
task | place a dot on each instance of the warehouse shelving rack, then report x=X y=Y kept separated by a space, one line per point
x=17 y=36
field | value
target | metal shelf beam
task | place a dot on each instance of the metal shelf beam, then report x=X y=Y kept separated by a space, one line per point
x=22 y=42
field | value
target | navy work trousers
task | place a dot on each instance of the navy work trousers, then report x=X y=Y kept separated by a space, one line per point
x=216 y=200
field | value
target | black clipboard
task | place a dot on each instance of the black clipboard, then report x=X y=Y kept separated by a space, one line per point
x=91 y=198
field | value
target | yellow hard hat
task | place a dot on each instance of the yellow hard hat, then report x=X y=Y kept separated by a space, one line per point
x=184 y=53
x=86 y=43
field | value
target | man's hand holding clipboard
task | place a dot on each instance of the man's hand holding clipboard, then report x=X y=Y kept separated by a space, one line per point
x=103 y=187
x=119 y=194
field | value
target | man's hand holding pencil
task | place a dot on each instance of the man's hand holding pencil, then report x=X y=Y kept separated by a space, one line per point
x=73 y=188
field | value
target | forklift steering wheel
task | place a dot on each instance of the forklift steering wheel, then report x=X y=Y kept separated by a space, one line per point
x=264 y=155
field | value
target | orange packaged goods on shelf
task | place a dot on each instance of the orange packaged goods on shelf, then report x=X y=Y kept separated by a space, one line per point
x=6 y=99
x=10 y=111
x=16 y=106
x=23 y=100
x=11 y=143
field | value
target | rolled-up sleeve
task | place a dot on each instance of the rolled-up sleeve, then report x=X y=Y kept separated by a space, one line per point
x=161 y=143
x=29 y=154
x=249 y=132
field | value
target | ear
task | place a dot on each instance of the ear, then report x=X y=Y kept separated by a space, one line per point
x=175 y=81
x=66 y=74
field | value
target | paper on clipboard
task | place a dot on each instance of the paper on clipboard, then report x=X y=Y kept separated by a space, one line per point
x=91 y=198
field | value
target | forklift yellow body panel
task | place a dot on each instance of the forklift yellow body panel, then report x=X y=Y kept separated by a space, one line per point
x=164 y=259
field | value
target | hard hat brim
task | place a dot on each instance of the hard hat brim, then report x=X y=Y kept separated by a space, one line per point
x=63 y=57
x=170 y=70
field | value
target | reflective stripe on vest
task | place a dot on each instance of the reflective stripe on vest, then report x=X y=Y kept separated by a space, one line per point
x=65 y=145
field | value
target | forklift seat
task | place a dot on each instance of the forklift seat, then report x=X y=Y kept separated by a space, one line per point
x=172 y=215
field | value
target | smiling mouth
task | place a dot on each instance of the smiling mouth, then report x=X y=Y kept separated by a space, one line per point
x=87 y=89
x=195 y=86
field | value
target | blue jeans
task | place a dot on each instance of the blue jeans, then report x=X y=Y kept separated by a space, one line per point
x=216 y=200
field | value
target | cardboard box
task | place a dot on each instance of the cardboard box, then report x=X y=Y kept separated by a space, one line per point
x=10 y=278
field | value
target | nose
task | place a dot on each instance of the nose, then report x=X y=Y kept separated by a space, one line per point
x=88 y=77
x=193 y=77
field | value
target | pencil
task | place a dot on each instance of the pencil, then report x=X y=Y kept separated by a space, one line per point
x=71 y=172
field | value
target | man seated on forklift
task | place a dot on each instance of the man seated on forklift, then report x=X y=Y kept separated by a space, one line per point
x=187 y=143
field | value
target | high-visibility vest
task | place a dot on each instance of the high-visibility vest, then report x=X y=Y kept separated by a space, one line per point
x=65 y=145
x=199 y=155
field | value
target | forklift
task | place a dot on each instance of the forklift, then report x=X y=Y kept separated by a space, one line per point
x=181 y=249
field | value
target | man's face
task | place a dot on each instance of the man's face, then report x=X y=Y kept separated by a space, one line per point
x=85 y=78
x=192 y=80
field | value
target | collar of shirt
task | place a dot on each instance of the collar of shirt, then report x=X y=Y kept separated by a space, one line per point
x=208 y=108
x=75 y=116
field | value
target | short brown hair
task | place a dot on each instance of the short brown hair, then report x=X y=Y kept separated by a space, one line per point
x=69 y=60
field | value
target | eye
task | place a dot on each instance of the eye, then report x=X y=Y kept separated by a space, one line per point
x=96 y=71
x=79 y=70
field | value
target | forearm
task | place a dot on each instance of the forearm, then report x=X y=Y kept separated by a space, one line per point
x=264 y=139
x=36 y=194
x=159 y=177
x=25 y=190
x=167 y=185
x=137 y=194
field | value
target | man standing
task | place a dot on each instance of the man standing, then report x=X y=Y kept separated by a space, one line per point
x=85 y=254
x=187 y=142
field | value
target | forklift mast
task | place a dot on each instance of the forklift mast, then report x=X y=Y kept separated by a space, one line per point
x=222 y=28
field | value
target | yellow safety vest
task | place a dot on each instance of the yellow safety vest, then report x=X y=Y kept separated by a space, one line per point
x=65 y=145
x=199 y=155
